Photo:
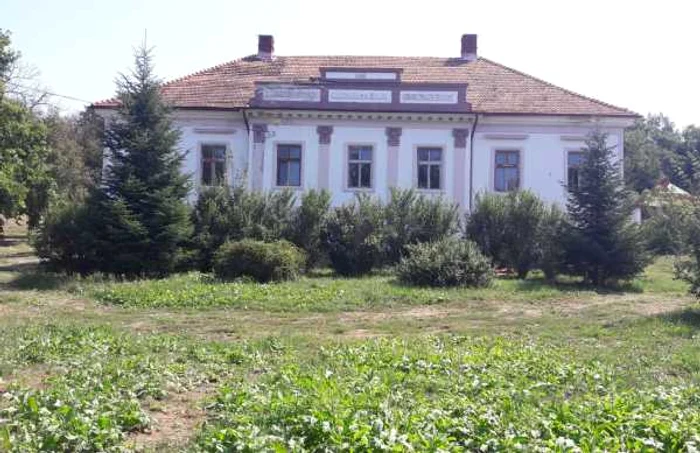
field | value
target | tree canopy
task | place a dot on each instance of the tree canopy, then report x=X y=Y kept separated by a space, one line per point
x=24 y=181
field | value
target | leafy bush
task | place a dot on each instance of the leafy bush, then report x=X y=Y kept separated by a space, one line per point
x=352 y=236
x=64 y=240
x=551 y=240
x=446 y=262
x=507 y=228
x=666 y=229
x=307 y=224
x=689 y=269
x=411 y=218
x=263 y=261
x=211 y=218
x=222 y=214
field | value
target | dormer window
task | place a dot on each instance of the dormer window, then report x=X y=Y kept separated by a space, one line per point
x=362 y=74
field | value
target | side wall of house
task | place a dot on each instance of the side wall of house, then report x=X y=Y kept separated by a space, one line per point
x=543 y=146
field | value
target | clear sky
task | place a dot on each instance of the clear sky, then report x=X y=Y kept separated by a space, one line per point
x=641 y=54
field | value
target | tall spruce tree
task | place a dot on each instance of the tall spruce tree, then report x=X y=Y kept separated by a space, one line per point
x=144 y=220
x=603 y=245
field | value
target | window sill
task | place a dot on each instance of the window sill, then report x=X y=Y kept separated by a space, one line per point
x=293 y=188
x=431 y=191
x=359 y=189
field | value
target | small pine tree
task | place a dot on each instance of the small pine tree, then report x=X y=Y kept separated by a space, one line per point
x=603 y=245
x=144 y=219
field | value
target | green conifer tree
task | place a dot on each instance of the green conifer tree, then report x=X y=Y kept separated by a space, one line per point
x=144 y=220
x=603 y=245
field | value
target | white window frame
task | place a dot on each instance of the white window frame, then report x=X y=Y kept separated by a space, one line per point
x=275 y=151
x=441 y=165
x=566 y=163
x=200 y=163
x=373 y=167
x=495 y=167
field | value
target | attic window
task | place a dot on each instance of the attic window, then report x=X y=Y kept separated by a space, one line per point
x=361 y=74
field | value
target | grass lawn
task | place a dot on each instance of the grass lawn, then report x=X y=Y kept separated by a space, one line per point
x=328 y=364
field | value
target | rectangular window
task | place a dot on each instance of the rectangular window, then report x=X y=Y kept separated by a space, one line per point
x=289 y=165
x=574 y=159
x=430 y=168
x=507 y=171
x=213 y=165
x=360 y=167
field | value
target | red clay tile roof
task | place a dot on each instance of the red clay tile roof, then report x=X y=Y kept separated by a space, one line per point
x=493 y=88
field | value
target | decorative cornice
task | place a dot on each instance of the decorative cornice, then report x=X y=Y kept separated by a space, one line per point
x=215 y=130
x=393 y=135
x=460 y=136
x=259 y=133
x=324 y=116
x=324 y=134
x=506 y=136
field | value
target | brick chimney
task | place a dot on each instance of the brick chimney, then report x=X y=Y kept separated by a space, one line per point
x=468 y=47
x=266 y=47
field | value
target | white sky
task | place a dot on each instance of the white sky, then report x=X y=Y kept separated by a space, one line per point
x=636 y=54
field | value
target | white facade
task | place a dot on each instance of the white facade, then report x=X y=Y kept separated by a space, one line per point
x=541 y=141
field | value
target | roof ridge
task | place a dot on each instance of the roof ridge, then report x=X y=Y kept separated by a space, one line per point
x=550 y=84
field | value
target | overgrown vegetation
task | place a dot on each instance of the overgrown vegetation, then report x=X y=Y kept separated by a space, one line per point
x=515 y=230
x=25 y=183
x=261 y=261
x=411 y=218
x=445 y=262
x=688 y=269
x=353 y=236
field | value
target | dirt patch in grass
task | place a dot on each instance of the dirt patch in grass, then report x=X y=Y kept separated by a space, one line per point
x=174 y=420
x=33 y=377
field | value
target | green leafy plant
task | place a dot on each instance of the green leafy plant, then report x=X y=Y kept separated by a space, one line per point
x=353 y=236
x=223 y=213
x=307 y=225
x=507 y=228
x=412 y=218
x=262 y=261
x=446 y=262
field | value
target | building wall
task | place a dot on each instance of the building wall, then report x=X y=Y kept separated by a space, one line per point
x=543 y=149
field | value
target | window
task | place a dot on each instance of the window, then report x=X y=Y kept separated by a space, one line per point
x=213 y=165
x=360 y=167
x=289 y=165
x=507 y=171
x=574 y=159
x=429 y=168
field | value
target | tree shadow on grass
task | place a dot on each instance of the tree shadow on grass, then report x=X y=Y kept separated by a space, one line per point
x=37 y=281
x=568 y=285
x=687 y=317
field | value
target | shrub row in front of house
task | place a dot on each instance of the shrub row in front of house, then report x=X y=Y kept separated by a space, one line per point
x=269 y=236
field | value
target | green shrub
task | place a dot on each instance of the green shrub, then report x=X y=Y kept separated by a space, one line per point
x=222 y=214
x=307 y=224
x=551 y=242
x=352 y=236
x=211 y=218
x=507 y=228
x=688 y=269
x=64 y=239
x=262 y=261
x=446 y=262
x=666 y=229
x=411 y=218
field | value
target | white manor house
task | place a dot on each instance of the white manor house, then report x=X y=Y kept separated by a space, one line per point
x=447 y=126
